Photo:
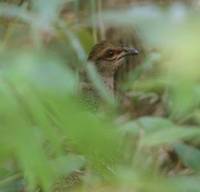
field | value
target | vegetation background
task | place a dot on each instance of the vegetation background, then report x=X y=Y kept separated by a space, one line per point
x=50 y=142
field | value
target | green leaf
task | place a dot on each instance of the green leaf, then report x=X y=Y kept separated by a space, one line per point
x=189 y=155
x=169 y=135
x=65 y=165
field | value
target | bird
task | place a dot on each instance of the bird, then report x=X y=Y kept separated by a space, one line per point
x=107 y=59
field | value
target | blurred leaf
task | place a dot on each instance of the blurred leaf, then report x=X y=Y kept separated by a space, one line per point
x=157 y=131
x=169 y=135
x=7 y=10
x=47 y=10
x=85 y=39
x=147 y=124
x=66 y=165
x=189 y=155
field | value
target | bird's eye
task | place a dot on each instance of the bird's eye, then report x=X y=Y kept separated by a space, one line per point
x=110 y=53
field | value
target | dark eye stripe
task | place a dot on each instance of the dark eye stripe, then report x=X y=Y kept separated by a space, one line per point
x=110 y=55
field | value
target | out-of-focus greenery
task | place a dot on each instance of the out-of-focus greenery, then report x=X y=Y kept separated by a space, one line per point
x=45 y=132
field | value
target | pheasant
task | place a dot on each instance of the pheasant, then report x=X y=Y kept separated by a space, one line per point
x=107 y=58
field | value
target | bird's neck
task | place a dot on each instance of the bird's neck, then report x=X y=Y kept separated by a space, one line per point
x=109 y=82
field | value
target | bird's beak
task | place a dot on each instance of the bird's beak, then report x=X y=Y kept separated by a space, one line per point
x=126 y=51
x=130 y=51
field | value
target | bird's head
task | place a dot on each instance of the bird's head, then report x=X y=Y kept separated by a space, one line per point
x=108 y=57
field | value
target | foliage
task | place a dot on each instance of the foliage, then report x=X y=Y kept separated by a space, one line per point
x=46 y=132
